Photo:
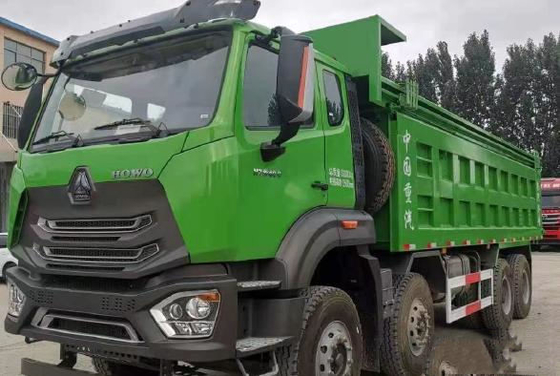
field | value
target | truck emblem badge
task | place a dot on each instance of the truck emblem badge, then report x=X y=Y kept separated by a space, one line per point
x=81 y=187
x=133 y=174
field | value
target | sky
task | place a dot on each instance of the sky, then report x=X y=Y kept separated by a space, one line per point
x=424 y=22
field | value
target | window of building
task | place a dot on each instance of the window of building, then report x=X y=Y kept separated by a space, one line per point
x=15 y=52
x=335 y=107
x=260 y=108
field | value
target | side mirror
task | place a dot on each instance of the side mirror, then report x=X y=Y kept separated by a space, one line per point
x=19 y=76
x=295 y=91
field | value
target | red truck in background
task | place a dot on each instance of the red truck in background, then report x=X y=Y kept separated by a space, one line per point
x=551 y=211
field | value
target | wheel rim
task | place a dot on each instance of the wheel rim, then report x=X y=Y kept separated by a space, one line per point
x=526 y=288
x=334 y=356
x=506 y=296
x=418 y=327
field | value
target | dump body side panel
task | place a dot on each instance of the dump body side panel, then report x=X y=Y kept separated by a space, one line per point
x=450 y=191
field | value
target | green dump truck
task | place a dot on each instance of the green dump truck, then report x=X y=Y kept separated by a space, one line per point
x=194 y=189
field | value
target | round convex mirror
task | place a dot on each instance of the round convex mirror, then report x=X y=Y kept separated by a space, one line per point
x=19 y=76
x=72 y=106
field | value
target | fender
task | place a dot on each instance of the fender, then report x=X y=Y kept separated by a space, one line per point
x=313 y=236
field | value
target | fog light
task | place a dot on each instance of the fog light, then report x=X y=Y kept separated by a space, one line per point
x=198 y=318
x=16 y=300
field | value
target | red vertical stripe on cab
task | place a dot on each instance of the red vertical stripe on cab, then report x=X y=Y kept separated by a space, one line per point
x=303 y=79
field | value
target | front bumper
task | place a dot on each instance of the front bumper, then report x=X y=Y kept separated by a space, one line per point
x=130 y=305
x=551 y=237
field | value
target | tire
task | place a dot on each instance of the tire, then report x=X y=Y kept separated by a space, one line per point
x=473 y=321
x=500 y=314
x=5 y=269
x=324 y=307
x=400 y=353
x=106 y=367
x=379 y=163
x=522 y=285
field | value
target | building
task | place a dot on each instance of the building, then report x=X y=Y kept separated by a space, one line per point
x=17 y=44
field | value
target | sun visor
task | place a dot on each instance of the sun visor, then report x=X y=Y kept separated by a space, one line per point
x=190 y=13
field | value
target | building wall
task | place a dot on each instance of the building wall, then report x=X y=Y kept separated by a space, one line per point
x=8 y=146
x=18 y=98
x=7 y=152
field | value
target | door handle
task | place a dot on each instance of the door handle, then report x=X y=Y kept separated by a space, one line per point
x=321 y=186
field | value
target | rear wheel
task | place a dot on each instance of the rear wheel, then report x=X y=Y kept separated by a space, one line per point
x=331 y=337
x=408 y=334
x=522 y=285
x=500 y=314
x=108 y=368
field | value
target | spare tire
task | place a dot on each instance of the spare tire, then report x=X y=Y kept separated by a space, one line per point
x=379 y=166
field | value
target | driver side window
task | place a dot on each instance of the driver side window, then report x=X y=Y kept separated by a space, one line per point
x=260 y=108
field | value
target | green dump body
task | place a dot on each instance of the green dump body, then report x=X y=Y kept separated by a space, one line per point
x=455 y=184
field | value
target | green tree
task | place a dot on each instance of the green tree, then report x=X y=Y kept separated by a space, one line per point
x=387 y=66
x=475 y=80
x=527 y=100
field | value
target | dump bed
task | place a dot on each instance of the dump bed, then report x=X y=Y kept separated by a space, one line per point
x=456 y=184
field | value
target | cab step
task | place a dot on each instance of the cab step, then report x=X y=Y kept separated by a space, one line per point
x=257 y=345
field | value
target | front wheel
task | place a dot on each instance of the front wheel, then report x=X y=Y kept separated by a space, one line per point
x=331 y=338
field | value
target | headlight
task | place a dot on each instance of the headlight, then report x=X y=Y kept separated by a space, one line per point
x=188 y=314
x=16 y=300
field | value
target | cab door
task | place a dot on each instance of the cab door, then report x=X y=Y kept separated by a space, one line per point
x=274 y=195
x=335 y=118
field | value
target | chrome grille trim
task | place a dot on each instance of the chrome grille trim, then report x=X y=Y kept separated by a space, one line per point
x=551 y=220
x=97 y=255
x=95 y=226
x=46 y=321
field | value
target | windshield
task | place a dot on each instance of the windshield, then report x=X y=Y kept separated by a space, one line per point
x=551 y=201
x=174 y=85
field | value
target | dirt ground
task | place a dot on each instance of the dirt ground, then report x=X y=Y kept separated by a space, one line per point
x=539 y=334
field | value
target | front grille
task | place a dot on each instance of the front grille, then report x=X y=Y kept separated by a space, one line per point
x=551 y=220
x=93 y=283
x=90 y=327
x=85 y=226
x=89 y=239
x=108 y=269
x=98 y=255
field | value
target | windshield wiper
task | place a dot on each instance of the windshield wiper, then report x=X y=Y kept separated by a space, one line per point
x=157 y=131
x=76 y=140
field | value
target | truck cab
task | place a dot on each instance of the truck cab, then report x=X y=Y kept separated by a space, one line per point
x=551 y=211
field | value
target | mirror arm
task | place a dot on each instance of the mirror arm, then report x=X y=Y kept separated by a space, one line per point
x=47 y=75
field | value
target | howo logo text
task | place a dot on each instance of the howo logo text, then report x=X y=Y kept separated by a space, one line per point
x=137 y=173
